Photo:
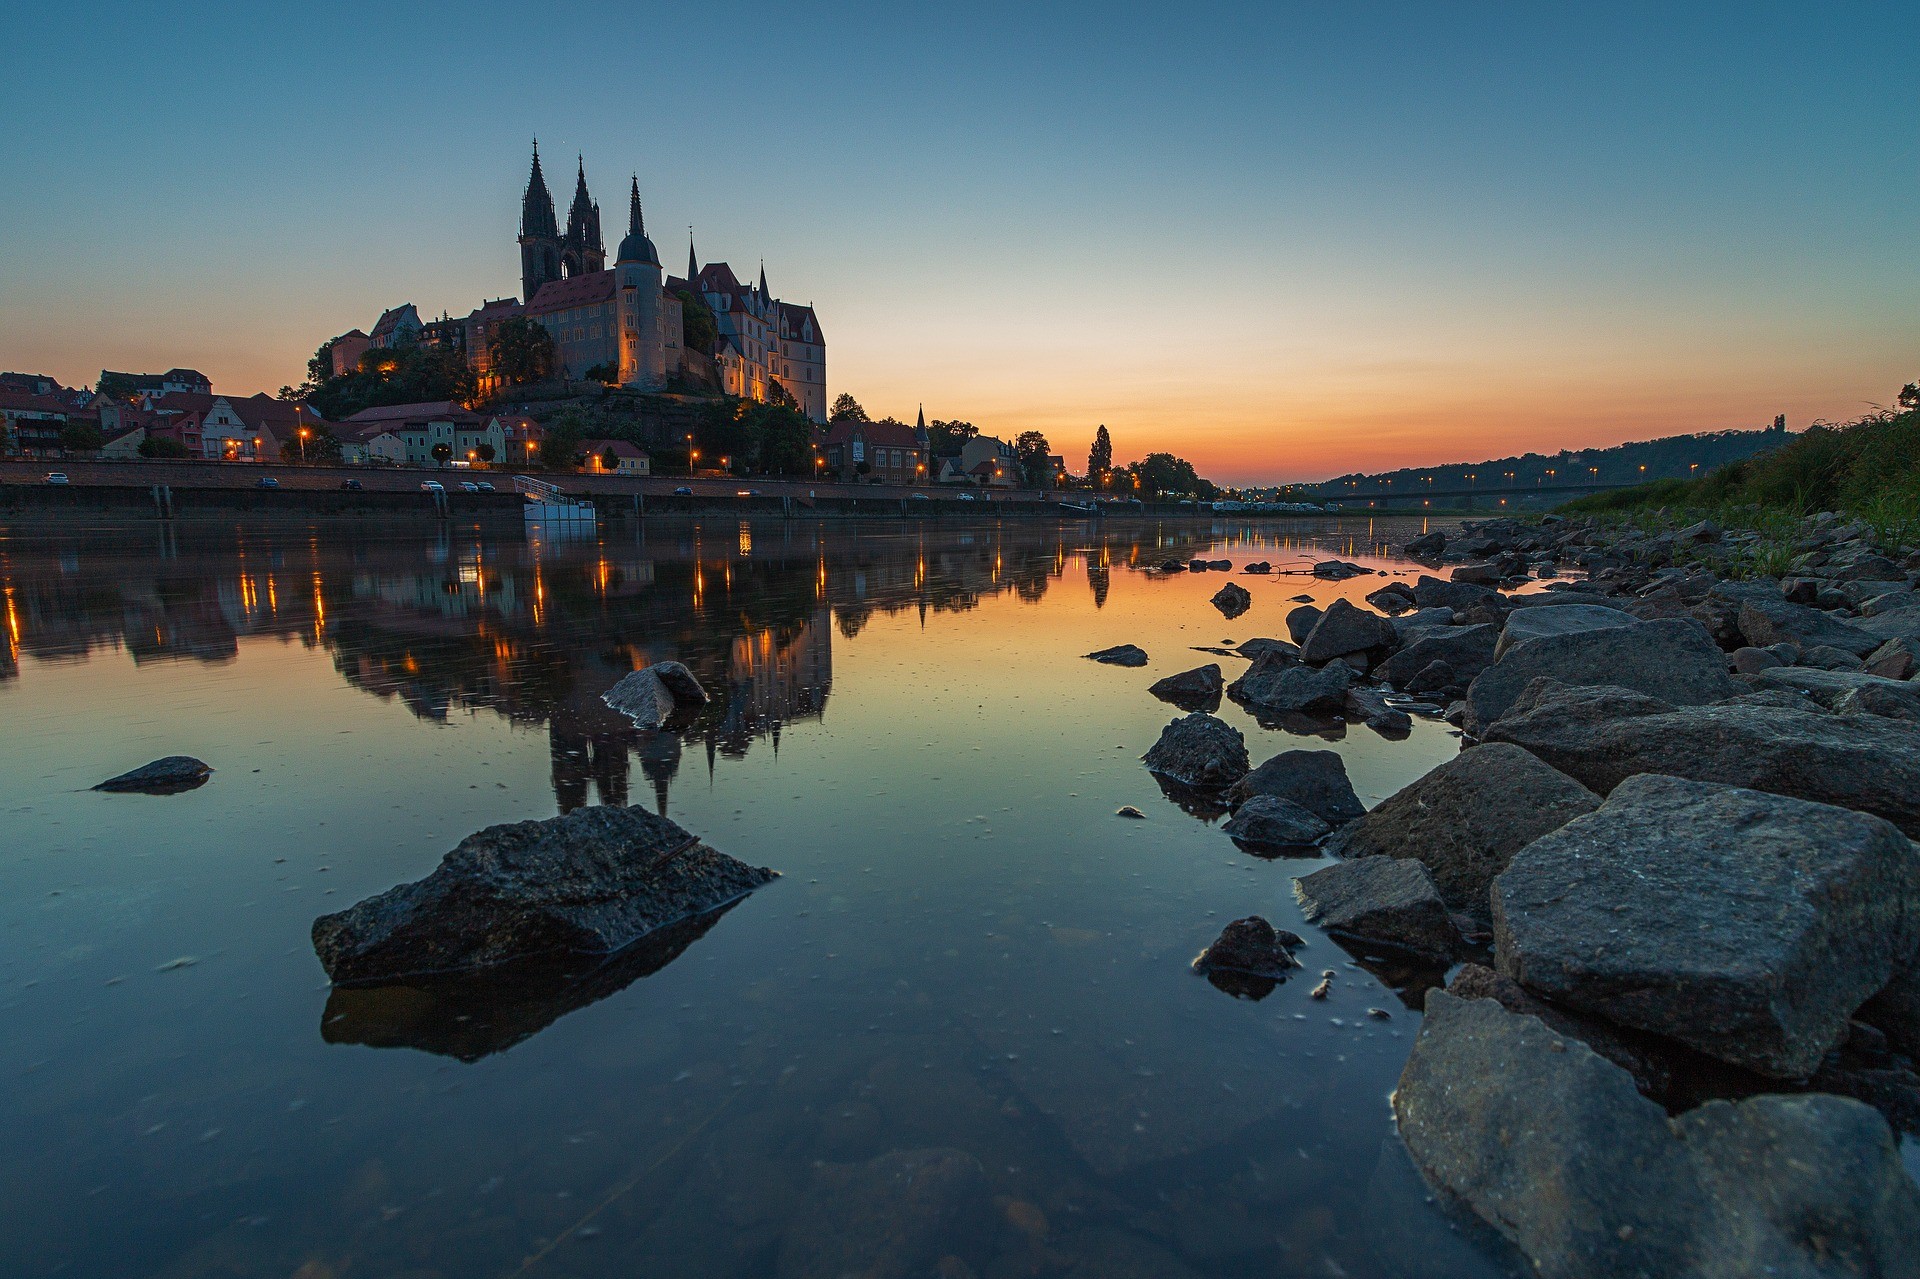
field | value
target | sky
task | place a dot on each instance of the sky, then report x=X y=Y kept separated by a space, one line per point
x=1283 y=241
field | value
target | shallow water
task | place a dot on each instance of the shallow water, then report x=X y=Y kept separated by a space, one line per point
x=967 y=949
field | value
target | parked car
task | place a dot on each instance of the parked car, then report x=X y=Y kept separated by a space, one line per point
x=918 y=497
x=484 y=486
x=432 y=486
x=968 y=497
x=267 y=482
x=468 y=486
x=56 y=477
x=352 y=486
x=683 y=491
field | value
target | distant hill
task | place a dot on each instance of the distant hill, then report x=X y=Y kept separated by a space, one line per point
x=1675 y=457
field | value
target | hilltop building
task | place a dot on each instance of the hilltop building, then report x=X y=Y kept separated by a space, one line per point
x=623 y=321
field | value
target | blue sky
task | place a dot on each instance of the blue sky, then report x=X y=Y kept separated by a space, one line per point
x=1284 y=241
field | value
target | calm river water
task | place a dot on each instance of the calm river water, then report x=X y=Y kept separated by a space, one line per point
x=967 y=950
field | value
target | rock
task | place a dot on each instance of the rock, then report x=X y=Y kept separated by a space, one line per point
x=1251 y=946
x=1551 y=1144
x=1390 y=722
x=1382 y=900
x=1601 y=736
x=1467 y=649
x=1867 y=568
x=890 y=1218
x=1428 y=545
x=1197 y=689
x=1431 y=592
x=1394 y=597
x=1232 y=599
x=651 y=696
x=1895 y=659
x=1704 y=531
x=1220 y=566
x=1254 y=649
x=593 y=881
x=1256 y=567
x=1435 y=677
x=1172 y=566
x=1315 y=780
x=1674 y=660
x=1830 y=688
x=1121 y=655
x=1269 y=822
x=1466 y=819
x=1894 y=700
x=172 y=775
x=1478 y=574
x=1765 y=620
x=1825 y=657
x=1345 y=629
x=1130 y=812
x=1337 y=570
x=1645 y=1057
x=1747 y=926
x=1300 y=622
x=1531 y=623
x=1197 y=566
x=1751 y=661
x=1278 y=686
x=1422 y=621
x=1199 y=751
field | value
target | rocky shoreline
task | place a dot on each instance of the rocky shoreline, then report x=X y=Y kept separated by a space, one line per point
x=1676 y=853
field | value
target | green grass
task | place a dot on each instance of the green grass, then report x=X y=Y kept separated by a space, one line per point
x=1869 y=469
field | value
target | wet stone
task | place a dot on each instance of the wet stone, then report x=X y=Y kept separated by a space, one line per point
x=1121 y=655
x=170 y=776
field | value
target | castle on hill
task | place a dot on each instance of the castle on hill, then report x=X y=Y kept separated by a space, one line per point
x=627 y=320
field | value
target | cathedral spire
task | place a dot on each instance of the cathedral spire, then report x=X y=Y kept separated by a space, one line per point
x=536 y=207
x=763 y=279
x=636 y=217
x=693 y=263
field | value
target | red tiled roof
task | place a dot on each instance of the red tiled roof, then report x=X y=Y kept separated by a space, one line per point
x=427 y=411
x=579 y=290
x=794 y=318
x=892 y=435
x=621 y=448
x=28 y=401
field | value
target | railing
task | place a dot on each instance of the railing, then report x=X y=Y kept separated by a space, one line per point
x=542 y=491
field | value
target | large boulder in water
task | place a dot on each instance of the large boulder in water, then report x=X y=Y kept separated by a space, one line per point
x=653 y=695
x=1280 y=686
x=1121 y=655
x=1270 y=823
x=1672 y=658
x=1232 y=599
x=1552 y=1145
x=1344 y=629
x=1315 y=780
x=1466 y=819
x=1201 y=751
x=1601 y=736
x=1745 y=925
x=1194 y=690
x=592 y=881
x=169 y=776
x=1467 y=650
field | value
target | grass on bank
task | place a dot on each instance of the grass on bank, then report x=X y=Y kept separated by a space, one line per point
x=1869 y=469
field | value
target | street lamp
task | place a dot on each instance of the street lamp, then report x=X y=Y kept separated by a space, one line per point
x=303 y=445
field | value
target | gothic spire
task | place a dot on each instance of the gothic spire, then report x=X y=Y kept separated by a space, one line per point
x=763 y=279
x=636 y=218
x=693 y=263
x=536 y=207
x=921 y=425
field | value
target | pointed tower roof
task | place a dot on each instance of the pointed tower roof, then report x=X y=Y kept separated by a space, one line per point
x=536 y=207
x=921 y=423
x=763 y=279
x=637 y=247
x=582 y=206
x=693 y=264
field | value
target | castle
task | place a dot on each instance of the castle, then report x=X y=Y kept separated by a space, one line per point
x=627 y=321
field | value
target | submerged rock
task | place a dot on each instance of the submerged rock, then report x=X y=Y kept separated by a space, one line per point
x=1201 y=751
x=1232 y=599
x=651 y=696
x=1344 y=629
x=1601 y=736
x=1315 y=780
x=1197 y=689
x=593 y=881
x=1552 y=1145
x=1669 y=658
x=1121 y=655
x=170 y=776
x=1745 y=925
x=1268 y=822
x=1251 y=946
x=1466 y=819
x=1337 y=570
x=1383 y=900
x=889 y=1218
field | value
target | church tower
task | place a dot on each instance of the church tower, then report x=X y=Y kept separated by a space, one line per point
x=540 y=243
x=583 y=252
x=637 y=279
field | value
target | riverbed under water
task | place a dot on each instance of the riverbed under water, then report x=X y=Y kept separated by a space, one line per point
x=967 y=950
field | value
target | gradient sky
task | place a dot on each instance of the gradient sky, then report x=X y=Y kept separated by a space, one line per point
x=1282 y=241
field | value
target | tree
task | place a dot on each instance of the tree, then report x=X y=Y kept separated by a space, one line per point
x=698 y=329
x=1909 y=398
x=609 y=460
x=602 y=372
x=81 y=435
x=847 y=409
x=782 y=440
x=522 y=350
x=486 y=452
x=1159 y=473
x=442 y=453
x=1100 y=457
x=403 y=375
x=322 y=447
x=1033 y=452
x=160 y=448
x=945 y=438
x=560 y=450
x=779 y=394
x=116 y=386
